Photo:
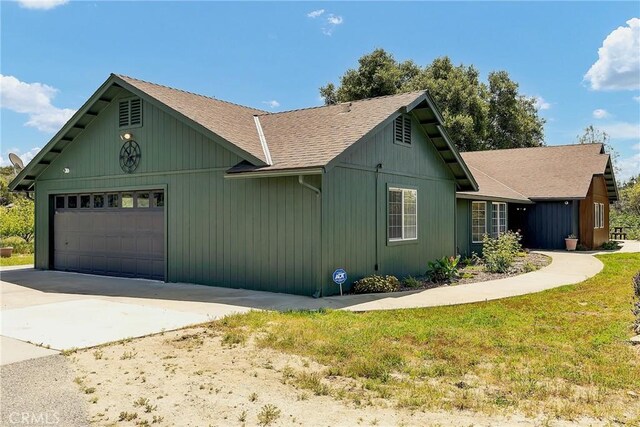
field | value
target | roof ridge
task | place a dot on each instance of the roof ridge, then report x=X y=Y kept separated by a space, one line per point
x=498 y=181
x=342 y=103
x=262 y=112
x=575 y=144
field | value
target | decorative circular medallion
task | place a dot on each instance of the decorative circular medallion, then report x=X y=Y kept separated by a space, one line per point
x=130 y=156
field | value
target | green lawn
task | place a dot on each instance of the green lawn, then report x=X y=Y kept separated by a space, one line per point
x=562 y=352
x=16 y=260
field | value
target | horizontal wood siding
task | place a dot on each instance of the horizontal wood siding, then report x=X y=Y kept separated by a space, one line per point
x=354 y=210
x=259 y=234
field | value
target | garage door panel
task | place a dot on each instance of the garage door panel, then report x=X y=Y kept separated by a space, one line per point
x=115 y=241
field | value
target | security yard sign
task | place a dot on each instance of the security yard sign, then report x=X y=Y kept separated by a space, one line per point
x=339 y=277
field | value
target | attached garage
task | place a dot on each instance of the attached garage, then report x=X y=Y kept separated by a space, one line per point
x=153 y=182
x=111 y=233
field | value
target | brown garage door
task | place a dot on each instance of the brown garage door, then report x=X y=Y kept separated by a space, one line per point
x=115 y=234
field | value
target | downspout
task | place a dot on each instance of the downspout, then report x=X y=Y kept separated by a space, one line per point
x=301 y=181
x=378 y=167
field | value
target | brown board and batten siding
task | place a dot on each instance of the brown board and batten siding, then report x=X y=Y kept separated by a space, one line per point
x=590 y=236
x=258 y=234
x=354 y=209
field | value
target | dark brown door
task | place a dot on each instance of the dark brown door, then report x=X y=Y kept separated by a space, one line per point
x=116 y=234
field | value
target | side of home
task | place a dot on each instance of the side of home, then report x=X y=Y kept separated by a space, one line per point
x=152 y=182
x=544 y=193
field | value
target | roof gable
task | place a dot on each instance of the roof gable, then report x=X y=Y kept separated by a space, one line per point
x=292 y=140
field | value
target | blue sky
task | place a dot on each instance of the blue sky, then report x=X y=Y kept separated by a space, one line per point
x=272 y=55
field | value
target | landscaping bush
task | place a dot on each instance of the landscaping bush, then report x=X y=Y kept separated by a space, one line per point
x=499 y=253
x=376 y=283
x=444 y=269
x=19 y=245
x=636 y=306
x=411 y=282
x=17 y=220
x=610 y=245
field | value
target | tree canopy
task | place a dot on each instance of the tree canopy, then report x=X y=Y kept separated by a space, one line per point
x=478 y=115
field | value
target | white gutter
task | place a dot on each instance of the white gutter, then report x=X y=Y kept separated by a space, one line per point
x=263 y=140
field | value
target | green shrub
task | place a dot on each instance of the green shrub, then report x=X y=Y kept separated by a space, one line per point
x=411 y=282
x=17 y=220
x=444 y=269
x=376 y=283
x=610 y=245
x=19 y=245
x=499 y=253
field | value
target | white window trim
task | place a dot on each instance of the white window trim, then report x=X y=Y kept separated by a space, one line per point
x=598 y=209
x=485 y=220
x=497 y=232
x=402 y=190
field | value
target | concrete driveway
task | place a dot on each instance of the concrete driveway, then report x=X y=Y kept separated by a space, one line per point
x=60 y=311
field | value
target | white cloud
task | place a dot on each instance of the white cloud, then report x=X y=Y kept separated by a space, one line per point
x=33 y=99
x=272 y=104
x=618 y=64
x=41 y=4
x=636 y=98
x=600 y=114
x=541 y=104
x=622 y=130
x=334 y=19
x=315 y=13
x=26 y=156
x=331 y=23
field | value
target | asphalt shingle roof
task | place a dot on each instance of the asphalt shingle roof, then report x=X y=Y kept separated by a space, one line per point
x=553 y=172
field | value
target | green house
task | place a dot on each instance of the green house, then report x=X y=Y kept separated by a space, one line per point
x=153 y=182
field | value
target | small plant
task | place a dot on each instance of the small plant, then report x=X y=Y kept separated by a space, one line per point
x=411 y=282
x=499 y=253
x=157 y=419
x=376 y=283
x=89 y=390
x=581 y=247
x=140 y=402
x=128 y=355
x=572 y=236
x=253 y=397
x=610 y=245
x=127 y=416
x=243 y=416
x=444 y=269
x=97 y=354
x=268 y=414
x=528 y=267
x=233 y=338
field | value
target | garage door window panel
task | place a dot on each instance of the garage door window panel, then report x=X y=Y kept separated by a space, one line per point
x=72 y=202
x=98 y=201
x=85 y=201
x=60 y=202
x=142 y=200
x=127 y=200
x=112 y=200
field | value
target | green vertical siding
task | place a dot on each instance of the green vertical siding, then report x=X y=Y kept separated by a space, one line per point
x=354 y=209
x=463 y=227
x=252 y=233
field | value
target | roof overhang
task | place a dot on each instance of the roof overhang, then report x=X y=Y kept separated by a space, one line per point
x=610 y=180
x=89 y=111
x=425 y=110
x=238 y=174
x=475 y=196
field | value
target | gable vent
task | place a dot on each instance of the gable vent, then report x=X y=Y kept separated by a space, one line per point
x=130 y=112
x=402 y=129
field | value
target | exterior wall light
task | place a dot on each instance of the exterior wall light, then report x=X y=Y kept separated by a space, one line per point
x=126 y=136
x=66 y=170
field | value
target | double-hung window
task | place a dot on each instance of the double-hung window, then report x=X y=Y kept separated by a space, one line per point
x=499 y=220
x=402 y=209
x=478 y=221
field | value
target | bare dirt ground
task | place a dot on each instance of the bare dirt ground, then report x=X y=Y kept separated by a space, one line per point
x=198 y=377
